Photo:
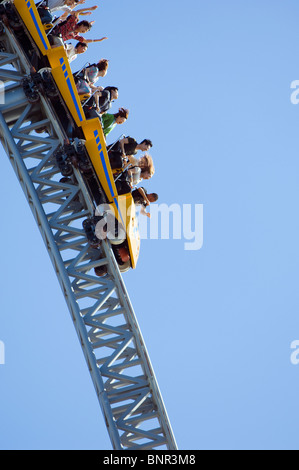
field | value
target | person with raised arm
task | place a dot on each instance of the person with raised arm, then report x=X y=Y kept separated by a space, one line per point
x=72 y=51
x=71 y=28
x=143 y=199
x=47 y=8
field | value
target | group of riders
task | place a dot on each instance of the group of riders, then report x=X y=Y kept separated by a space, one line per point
x=96 y=100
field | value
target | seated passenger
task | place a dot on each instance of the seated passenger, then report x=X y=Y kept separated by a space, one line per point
x=63 y=5
x=144 y=169
x=143 y=199
x=109 y=121
x=72 y=51
x=124 y=148
x=71 y=28
x=66 y=10
x=105 y=99
x=129 y=146
x=45 y=11
x=92 y=72
x=85 y=79
x=48 y=7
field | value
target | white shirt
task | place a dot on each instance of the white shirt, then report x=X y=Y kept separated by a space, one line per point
x=70 y=52
x=135 y=175
x=58 y=5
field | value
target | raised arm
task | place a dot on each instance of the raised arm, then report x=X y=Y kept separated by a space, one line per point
x=95 y=40
x=143 y=211
x=83 y=10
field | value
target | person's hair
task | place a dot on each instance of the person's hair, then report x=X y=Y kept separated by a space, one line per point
x=83 y=44
x=103 y=65
x=111 y=88
x=147 y=142
x=147 y=165
x=154 y=196
x=84 y=23
x=122 y=112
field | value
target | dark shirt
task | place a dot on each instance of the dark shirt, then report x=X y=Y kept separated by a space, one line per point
x=105 y=101
x=105 y=104
x=130 y=147
x=138 y=198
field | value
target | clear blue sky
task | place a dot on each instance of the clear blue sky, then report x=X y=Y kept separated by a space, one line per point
x=209 y=83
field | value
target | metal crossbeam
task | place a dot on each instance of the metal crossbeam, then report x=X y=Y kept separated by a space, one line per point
x=100 y=307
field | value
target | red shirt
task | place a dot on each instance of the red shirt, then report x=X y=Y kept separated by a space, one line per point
x=67 y=30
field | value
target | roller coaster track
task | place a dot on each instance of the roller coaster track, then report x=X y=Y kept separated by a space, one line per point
x=100 y=307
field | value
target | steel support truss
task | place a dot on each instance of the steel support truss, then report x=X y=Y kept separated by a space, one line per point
x=100 y=307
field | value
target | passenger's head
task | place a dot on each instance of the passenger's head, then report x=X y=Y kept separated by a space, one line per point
x=84 y=26
x=113 y=92
x=81 y=47
x=103 y=65
x=147 y=167
x=121 y=116
x=145 y=145
x=153 y=197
